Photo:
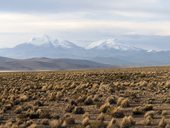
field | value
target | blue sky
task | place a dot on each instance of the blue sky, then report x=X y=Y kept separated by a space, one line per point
x=81 y=19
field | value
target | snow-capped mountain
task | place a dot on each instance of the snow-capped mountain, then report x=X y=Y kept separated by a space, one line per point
x=46 y=41
x=39 y=41
x=109 y=51
x=110 y=44
x=43 y=47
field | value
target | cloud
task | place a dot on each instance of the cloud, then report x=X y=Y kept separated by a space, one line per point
x=45 y=24
x=82 y=19
x=91 y=9
x=74 y=5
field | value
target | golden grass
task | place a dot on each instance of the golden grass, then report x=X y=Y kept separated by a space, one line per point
x=119 y=98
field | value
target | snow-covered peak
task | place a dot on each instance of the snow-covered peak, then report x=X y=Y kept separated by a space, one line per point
x=38 y=41
x=47 y=41
x=156 y=51
x=63 y=44
x=110 y=44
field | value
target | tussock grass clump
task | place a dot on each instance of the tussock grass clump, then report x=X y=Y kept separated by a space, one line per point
x=7 y=107
x=111 y=100
x=68 y=121
x=34 y=125
x=101 y=117
x=148 y=120
x=86 y=121
x=72 y=102
x=104 y=108
x=113 y=124
x=38 y=103
x=18 y=110
x=143 y=83
x=88 y=101
x=167 y=126
x=33 y=115
x=81 y=99
x=16 y=102
x=127 y=122
x=142 y=110
x=55 y=123
x=117 y=113
x=96 y=98
x=148 y=107
x=167 y=101
x=43 y=114
x=23 y=98
x=88 y=126
x=69 y=108
x=119 y=101
x=149 y=113
x=100 y=125
x=44 y=88
x=131 y=120
x=104 y=87
x=8 y=124
x=78 y=110
x=52 y=97
x=59 y=96
x=138 y=111
x=27 y=123
x=162 y=123
x=55 y=116
x=86 y=115
x=165 y=113
x=45 y=121
x=123 y=102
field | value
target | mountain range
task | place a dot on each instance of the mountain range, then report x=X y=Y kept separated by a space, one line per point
x=9 y=64
x=108 y=51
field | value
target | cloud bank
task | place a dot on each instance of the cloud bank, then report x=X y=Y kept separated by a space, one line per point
x=80 y=20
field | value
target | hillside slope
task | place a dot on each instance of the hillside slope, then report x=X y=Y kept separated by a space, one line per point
x=47 y=64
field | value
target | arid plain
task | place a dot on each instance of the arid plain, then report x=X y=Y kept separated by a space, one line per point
x=104 y=98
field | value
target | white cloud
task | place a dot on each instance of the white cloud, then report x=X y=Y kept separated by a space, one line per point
x=82 y=18
x=32 y=23
x=135 y=14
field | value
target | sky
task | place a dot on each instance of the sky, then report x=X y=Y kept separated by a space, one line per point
x=77 y=20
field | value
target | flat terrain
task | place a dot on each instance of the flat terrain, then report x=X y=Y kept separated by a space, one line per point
x=108 y=98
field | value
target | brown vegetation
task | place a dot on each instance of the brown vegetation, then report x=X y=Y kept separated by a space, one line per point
x=112 y=98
